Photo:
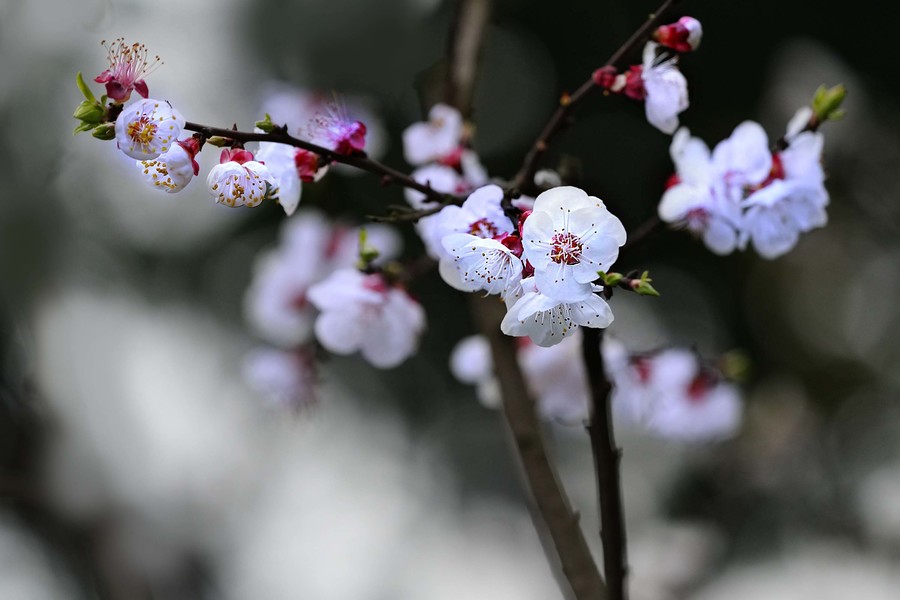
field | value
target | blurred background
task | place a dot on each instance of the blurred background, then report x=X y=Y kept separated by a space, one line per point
x=135 y=463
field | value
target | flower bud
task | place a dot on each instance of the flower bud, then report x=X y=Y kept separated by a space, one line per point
x=682 y=36
x=90 y=112
x=106 y=131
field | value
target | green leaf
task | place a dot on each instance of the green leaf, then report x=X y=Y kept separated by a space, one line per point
x=610 y=279
x=83 y=127
x=367 y=253
x=266 y=124
x=827 y=102
x=85 y=90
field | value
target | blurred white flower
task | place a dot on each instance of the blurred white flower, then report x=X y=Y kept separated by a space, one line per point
x=310 y=248
x=364 y=312
x=672 y=394
x=434 y=139
x=697 y=199
x=283 y=379
x=300 y=109
x=558 y=379
x=471 y=363
x=665 y=88
x=791 y=201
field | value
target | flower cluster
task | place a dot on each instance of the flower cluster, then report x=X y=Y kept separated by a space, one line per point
x=555 y=375
x=310 y=285
x=672 y=394
x=544 y=266
x=150 y=130
x=657 y=81
x=440 y=149
x=742 y=192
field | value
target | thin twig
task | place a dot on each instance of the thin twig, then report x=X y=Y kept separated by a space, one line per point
x=607 y=458
x=567 y=103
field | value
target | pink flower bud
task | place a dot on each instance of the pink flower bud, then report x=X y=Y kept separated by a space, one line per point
x=525 y=214
x=238 y=155
x=513 y=242
x=682 y=36
x=634 y=83
x=605 y=77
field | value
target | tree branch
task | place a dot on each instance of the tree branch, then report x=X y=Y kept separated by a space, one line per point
x=607 y=458
x=578 y=565
x=360 y=161
x=567 y=103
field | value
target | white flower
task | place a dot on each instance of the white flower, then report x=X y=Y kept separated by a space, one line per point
x=362 y=312
x=698 y=200
x=555 y=376
x=473 y=172
x=480 y=263
x=666 y=90
x=172 y=171
x=434 y=139
x=548 y=321
x=241 y=184
x=558 y=379
x=147 y=128
x=471 y=363
x=279 y=159
x=743 y=160
x=568 y=238
x=283 y=379
x=480 y=216
x=672 y=395
x=793 y=201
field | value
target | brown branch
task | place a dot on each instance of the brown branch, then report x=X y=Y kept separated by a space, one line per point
x=465 y=46
x=570 y=550
x=360 y=161
x=607 y=458
x=567 y=103
x=575 y=558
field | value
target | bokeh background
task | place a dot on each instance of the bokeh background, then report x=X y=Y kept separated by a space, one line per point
x=135 y=463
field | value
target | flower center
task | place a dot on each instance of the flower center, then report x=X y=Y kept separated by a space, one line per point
x=697 y=219
x=483 y=228
x=142 y=131
x=565 y=248
x=699 y=388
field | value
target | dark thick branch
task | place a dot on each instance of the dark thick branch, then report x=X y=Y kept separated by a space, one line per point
x=607 y=457
x=518 y=407
x=522 y=180
x=388 y=175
